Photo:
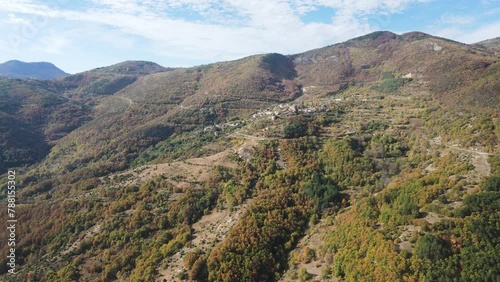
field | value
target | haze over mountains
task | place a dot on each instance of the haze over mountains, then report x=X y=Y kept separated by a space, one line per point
x=268 y=168
x=40 y=70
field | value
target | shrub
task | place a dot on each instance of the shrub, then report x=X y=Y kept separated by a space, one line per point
x=191 y=258
x=308 y=255
x=390 y=84
x=304 y=275
x=492 y=183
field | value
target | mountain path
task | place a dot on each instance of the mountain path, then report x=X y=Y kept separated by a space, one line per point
x=251 y=137
x=130 y=102
x=479 y=159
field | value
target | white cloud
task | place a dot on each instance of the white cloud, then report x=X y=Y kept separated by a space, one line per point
x=493 y=11
x=482 y=33
x=450 y=19
x=53 y=44
x=368 y=6
x=470 y=36
x=24 y=6
x=271 y=14
x=13 y=19
x=220 y=30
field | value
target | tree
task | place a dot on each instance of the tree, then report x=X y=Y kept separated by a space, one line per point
x=492 y=183
x=323 y=190
x=296 y=128
x=432 y=247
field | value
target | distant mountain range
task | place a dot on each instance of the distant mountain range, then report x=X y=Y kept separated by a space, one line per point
x=39 y=70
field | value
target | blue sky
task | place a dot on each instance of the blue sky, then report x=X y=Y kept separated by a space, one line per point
x=81 y=35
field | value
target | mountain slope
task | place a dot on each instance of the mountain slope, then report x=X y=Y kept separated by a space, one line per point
x=178 y=101
x=375 y=159
x=493 y=44
x=106 y=80
x=33 y=116
x=40 y=70
x=445 y=66
x=49 y=110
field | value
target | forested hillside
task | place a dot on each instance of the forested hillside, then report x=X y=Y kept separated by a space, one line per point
x=376 y=159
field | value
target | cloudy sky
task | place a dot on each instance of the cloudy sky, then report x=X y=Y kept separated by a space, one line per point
x=81 y=35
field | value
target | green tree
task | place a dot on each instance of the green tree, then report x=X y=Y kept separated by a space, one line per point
x=432 y=247
x=297 y=127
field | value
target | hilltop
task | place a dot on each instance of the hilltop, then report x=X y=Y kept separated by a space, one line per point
x=39 y=70
x=374 y=159
x=493 y=43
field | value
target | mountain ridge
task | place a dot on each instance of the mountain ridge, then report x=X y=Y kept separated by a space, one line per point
x=35 y=70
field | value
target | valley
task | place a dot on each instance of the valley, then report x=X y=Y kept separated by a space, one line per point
x=376 y=159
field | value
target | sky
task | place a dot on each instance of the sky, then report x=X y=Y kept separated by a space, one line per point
x=80 y=35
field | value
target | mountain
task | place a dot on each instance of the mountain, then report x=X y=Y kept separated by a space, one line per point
x=106 y=80
x=493 y=43
x=374 y=159
x=447 y=67
x=41 y=70
x=49 y=110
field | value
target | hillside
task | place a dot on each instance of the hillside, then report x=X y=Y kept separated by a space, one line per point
x=46 y=111
x=34 y=116
x=106 y=80
x=375 y=159
x=493 y=43
x=40 y=70
x=446 y=67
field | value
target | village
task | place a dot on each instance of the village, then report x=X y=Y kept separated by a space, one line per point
x=280 y=111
